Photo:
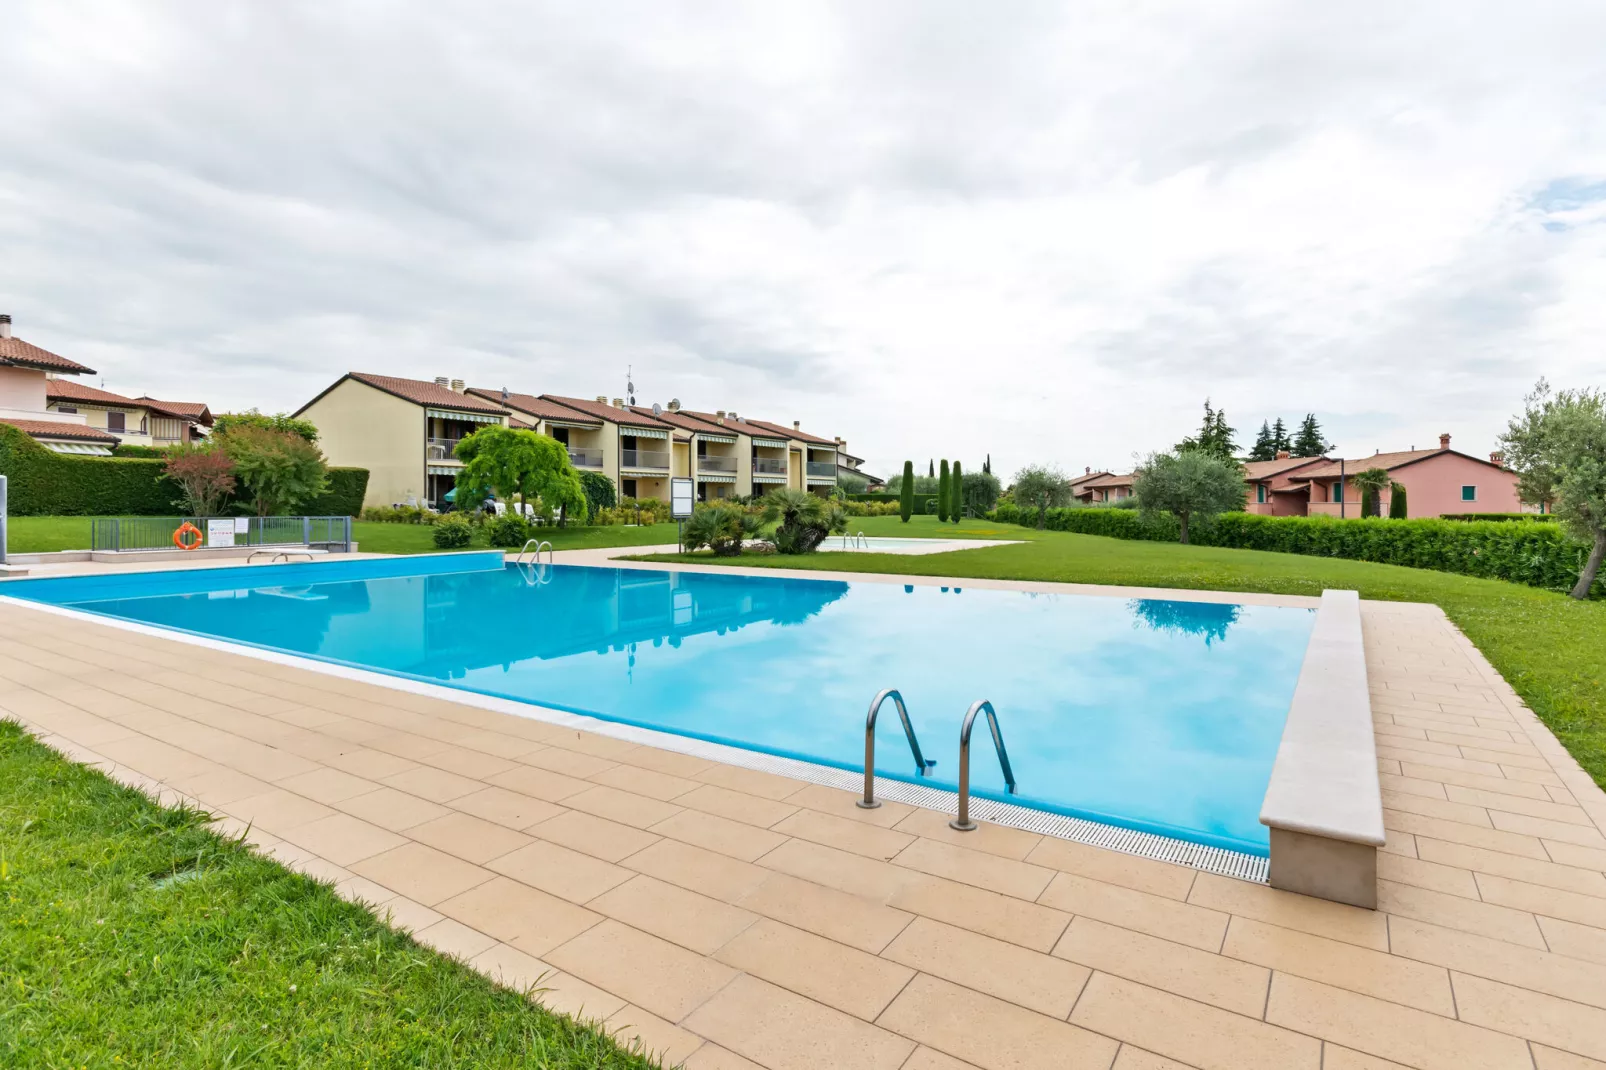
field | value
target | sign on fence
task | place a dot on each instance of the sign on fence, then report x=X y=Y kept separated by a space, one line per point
x=220 y=532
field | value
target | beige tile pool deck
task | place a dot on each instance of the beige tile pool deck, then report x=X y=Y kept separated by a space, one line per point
x=734 y=919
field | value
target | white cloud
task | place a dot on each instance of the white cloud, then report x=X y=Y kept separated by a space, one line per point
x=1040 y=231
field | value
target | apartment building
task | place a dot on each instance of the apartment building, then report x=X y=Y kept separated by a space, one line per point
x=138 y=421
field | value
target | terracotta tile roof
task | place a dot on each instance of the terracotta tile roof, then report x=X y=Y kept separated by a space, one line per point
x=603 y=411
x=696 y=425
x=1109 y=481
x=531 y=405
x=1386 y=461
x=421 y=392
x=1258 y=470
x=27 y=355
x=194 y=411
x=1079 y=482
x=787 y=432
x=53 y=429
x=68 y=390
x=519 y=425
x=763 y=428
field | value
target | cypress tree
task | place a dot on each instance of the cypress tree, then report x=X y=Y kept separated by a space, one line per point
x=957 y=507
x=1369 y=504
x=906 y=492
x=1397 y=502
x=931 y=469
x=944 y=491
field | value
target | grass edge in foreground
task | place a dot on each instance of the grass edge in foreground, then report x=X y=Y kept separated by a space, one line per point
x=133 y=934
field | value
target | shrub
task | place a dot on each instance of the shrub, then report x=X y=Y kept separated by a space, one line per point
x=453 y=532
x=906 y=492
x=506 y=531
x=804 y=520
x=855 y=508
x=1550 y=517
x=125 y=450
x=944 y=492
x=1397 y=508
x=280 y=422
x=41 y=482
x=347 y=488
x=398 y=514
x=599 y=492
x=721 y=528
x=205 y=478
x=981 y=491
x=653 y=510
x=1536 y=553
x=279 y=470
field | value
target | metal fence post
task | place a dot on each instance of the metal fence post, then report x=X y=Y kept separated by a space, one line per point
x=347 y=519
x=306 y=531
x=4 y=532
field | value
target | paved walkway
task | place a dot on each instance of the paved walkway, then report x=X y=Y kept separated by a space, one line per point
x=735 y=919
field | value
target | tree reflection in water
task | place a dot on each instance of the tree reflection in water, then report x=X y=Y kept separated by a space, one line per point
x=1209 y=619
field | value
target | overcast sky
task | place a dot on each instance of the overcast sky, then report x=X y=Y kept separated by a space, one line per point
x=1044 y=231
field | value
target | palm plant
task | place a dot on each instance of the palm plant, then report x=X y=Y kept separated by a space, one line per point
x=721 y=528
x=802 y=520
x=1372 y=483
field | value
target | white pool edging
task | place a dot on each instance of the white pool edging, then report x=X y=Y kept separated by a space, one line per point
x=1324 y=804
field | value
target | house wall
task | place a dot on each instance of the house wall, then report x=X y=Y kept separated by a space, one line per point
x=1433 y=487
x=95 y=415
x=22 y=389
x=367 y=428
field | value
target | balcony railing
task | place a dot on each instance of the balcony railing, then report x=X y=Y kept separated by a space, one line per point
x=440 y=449
x=821 y=468
x=766 y=466
x=709 y=462
x=582 y=458
x=643 y=459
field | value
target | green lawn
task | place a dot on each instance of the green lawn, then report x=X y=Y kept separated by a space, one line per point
x=39 y=534
x=132 y=936
x=1549 y=647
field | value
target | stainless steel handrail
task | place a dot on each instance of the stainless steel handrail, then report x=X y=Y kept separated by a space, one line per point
x=870 y=802
x=962 y=822
x=539 y=544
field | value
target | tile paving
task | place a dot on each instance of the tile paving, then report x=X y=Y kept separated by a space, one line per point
x=733 y=919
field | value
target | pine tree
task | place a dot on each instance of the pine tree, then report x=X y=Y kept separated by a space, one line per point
x=1222 y=442
x=956 y=508
x=944 y=492
x=1310 y=442
x=1397 y=508
x=1265 y=444
x=1279 y=437
x=906 y=492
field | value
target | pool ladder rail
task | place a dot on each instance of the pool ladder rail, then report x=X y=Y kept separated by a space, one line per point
x=539 y=544
x=856 y=540
x=922 y=765
x=962 y=822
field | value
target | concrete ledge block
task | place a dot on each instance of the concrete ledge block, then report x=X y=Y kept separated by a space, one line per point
x=1326 y=868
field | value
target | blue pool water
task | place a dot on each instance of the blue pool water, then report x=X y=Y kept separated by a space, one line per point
x=1158 y=715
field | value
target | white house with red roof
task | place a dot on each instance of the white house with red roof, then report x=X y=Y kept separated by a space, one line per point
x=25 y=378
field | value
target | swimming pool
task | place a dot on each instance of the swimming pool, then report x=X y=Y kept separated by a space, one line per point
x=1162 y=716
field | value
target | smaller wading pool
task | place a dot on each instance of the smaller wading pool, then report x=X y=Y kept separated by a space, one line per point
x=866 y=544
x=1153 y=715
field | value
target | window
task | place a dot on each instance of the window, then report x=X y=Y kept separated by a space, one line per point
x=1260 y=493
x=1469 y=494
x=116 y=421
x=67 y=408
x=628 y=487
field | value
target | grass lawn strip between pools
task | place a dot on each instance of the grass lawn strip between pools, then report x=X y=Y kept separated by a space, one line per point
x=1546 y=645
x=131 y=935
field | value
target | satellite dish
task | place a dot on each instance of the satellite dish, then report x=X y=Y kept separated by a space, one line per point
x=657 y=409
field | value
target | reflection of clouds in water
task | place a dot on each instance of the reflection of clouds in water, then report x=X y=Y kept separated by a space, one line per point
x=1208 y=619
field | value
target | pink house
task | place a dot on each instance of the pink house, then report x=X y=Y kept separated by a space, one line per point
x=1272 y=489
x=1436 y=482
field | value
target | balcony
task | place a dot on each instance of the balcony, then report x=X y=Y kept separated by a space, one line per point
x=822 y=468
x=582 y=458
x=644 y=459
x=440 y=449
x=766 y=466
x=709 y=462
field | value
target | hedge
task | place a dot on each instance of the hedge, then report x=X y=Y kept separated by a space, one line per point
x=1549 y=517
x=347 y=488
x=1536 y=553
x=921 y=501
x=42 y=482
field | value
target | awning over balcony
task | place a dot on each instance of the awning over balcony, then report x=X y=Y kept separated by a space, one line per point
x=642 y=432
x=462 y=417
x=86 y=448
x=757 y=478
x=772 y=443
x=715 y=477
x=706 y=437
x=443 y=469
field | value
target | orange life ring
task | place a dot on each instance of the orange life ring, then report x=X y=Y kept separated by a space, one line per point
x=181 y=536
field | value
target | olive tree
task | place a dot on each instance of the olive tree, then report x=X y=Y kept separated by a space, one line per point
x=1188 y=484
x=1043 y=487
x=1558 y=449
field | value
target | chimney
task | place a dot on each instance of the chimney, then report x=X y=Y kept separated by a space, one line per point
x=5 y=326
x=1087 y=470
x=797 y=425
x=602 y=399
x=1283 y=455
x=441 y=380
x=618 y=403
x=1497 y=458
x=719 y=416
x=1444 y=441
x=457 y=386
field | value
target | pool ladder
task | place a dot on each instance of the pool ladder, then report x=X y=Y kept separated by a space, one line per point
x=539 y=544
x=962 y=822
x=856 y=540
x=922 y=765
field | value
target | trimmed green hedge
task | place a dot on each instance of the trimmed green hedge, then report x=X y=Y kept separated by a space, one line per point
x=921 y=501
x=347 y=488
x=1550 y=517
x=1535 y=553
x=41 y=482
x=125 y=450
